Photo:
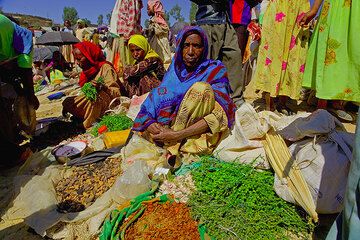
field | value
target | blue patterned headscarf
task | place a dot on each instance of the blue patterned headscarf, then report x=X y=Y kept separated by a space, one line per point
x=163 y=102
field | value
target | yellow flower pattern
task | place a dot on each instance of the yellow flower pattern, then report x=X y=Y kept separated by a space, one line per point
x=323 y=16
x=330 y=68
x=347 y=3
x=330 y=57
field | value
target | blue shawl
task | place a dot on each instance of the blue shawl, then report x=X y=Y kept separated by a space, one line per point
x=163 y=102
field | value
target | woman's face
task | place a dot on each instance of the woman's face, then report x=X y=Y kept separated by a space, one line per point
x=137 y=53
x=192 y=50
x=81 y=60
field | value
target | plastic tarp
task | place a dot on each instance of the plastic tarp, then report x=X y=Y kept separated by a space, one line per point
x=36 y=200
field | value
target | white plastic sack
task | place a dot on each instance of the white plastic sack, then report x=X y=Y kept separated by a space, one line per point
x=324 y=162
x=238 y=146
x=139 y=148
x=319 y=122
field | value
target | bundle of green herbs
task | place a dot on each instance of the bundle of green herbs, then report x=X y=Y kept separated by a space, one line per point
x=235 y=201
x=115 y=122
x=89 y=90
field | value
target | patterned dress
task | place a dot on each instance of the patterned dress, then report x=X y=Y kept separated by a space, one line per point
x=333 y=62
x=142 y=77
x=282 y=53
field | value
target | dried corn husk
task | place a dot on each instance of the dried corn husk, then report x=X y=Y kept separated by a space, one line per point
x=283 y=164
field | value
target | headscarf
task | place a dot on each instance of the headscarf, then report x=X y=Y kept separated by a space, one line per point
x=164 y=101
x=96 y=58
x=157 y=9
x=141 y=42
x=81 y=21
x=126 y=18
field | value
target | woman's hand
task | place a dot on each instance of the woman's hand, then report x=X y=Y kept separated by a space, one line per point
x=167 y=136
x=97 y=85
x=306 y=18
x=154 y=128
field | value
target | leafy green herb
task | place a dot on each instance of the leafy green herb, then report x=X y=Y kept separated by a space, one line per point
x=235 y=201
x=89 y=91
x=116 y=122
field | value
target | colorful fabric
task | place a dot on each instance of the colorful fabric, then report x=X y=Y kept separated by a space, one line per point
x=333 y=61
x=126 y=18
x=282 y=53
x=141 y=42
x=155 y=7
x=15 y=41
x=240 y=12
x=96 y=58
x=190 y=111
x=263 y=6
x=163 y=102
x=142 y=77
x=22 y=40
x=159 y=41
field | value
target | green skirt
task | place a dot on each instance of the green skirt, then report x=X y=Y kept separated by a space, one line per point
x=333 y=61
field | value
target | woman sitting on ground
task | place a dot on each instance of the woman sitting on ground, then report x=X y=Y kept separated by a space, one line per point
x=92 y=61
x=147 y=70
x=191 y=111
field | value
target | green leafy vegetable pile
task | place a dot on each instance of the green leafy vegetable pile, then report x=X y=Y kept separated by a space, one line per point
x=116 y=122
x=236 y=202
x=89 y=91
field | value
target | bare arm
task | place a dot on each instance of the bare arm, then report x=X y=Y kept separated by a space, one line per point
x=316 y=6
x=311 y=14
x=168 y=135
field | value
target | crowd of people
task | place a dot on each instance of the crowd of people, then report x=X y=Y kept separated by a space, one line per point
x=194 y=92
x=289 y=58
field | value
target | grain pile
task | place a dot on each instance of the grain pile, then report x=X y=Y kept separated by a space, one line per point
x=86 y=184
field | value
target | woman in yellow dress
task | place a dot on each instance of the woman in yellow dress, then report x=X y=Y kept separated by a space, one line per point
x=282 y=53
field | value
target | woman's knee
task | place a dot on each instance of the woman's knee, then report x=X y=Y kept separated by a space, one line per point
x=201 y=87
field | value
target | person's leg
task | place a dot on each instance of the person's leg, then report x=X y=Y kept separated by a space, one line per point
x=242 y=35
x=215 y=40
x=230 y=53
x=190 y=111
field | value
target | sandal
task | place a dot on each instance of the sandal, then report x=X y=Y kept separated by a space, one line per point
x=342 y=115
x=284 y=110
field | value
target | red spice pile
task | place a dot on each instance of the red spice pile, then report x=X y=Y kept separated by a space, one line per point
x=164 y=221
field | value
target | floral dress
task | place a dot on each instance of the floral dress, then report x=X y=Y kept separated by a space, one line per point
x=333 y=61
x=283 y=48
